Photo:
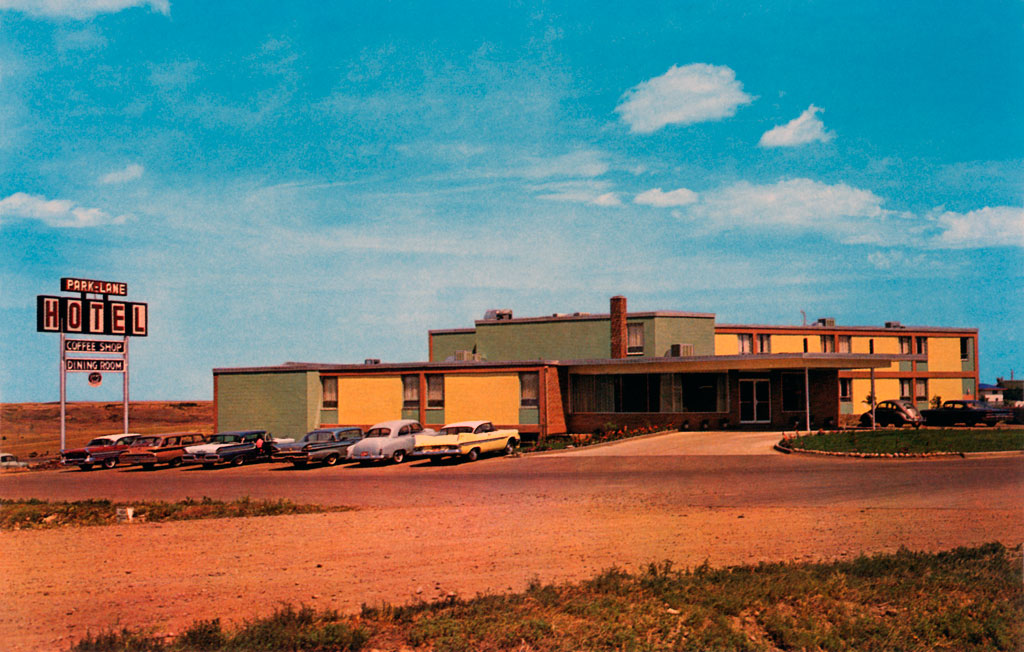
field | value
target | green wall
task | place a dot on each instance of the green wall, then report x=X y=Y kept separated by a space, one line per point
x=698 y=331
x=557 y=340
x=446 y=344
x=285 y=404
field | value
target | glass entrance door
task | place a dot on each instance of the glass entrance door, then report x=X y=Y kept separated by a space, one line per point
x=755 y=406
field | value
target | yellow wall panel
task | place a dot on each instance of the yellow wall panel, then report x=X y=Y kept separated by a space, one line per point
x=888 y=345
x=886 y=388
x=946 y=388
x=794 y=344
x=365 y=401
x=490 y=397
x=944 y=355
x=727 y=344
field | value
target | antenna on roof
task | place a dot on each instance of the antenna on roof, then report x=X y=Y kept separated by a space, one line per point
x=804 y=315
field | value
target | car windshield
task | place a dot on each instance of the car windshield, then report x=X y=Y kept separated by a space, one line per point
x=224 y=439
x=100 y=442
x=378 y=432
x=455 y=430
x=146 y=441
x=319 y=435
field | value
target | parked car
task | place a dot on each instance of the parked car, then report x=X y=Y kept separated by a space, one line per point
x=103 y=450
x=235 y=448
x=169 y=448
x=8 y=461
x=969 y=413
x=387 y=440
x=327 y=445
x=467 y=439
x=893 y=413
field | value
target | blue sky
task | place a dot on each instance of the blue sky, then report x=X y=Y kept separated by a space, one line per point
x=320 y=181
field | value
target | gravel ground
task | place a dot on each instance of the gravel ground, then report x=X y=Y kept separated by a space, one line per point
x=423 y=531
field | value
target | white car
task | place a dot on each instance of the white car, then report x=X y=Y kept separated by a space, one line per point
x=8 y=461
x=467 y=439
x=391 y=440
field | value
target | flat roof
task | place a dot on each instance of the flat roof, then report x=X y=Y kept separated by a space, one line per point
x=838 y=327
x=595 y=316
x=741 y=362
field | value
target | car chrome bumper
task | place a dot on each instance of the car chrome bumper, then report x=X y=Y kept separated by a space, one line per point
x=435 y=452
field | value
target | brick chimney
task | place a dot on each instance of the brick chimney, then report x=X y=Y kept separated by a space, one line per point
x=618 y=310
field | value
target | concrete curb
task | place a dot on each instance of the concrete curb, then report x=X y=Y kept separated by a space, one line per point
x=784 y=449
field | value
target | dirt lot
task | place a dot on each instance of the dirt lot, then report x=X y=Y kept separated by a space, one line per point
x=422 y=531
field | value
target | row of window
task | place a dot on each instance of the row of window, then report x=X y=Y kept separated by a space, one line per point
x=910 y=389
x=529 y=391
x=762 y=343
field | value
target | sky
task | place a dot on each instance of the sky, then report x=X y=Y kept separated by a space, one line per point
x=312 y=181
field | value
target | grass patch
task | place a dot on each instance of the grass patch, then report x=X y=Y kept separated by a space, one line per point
x=925 y=440
x=33 y=513
x=965 y=599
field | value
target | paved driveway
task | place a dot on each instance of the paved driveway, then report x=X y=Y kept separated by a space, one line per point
x=724 y=442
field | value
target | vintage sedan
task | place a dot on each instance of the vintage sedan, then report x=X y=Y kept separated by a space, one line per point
x=169 y=448
x=893 y=413
x=388 y=440
x=251 y=446
x=969 y=413
x=103 y=450
x=197 y=454
x=8 y=461
x=466 y=439
x=326 y=445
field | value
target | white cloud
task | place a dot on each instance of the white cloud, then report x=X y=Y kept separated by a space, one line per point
x=130 y=173
x=81 y=9
x=593 y=192
x=656 y=197
x=698 y=92
x=54 y=212
x=807 y=128
x=793 y=202
x=583 y=163
x=999 y=226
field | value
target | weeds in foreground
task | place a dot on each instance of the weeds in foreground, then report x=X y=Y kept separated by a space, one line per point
x=965 y=599
x=33 y=513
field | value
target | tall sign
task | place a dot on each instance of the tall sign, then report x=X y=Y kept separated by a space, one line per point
x=91 y=315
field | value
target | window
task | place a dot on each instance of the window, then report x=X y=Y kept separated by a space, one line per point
x=746 y=342
x=435 y=391
x=845 y=389
x=634 y=339
x=905 y=388
x=529 y=389
x=793 y=393
x=922 y=389
x=330 y=392
x=411 y=392
x=626 y=393
x=905 y=345
x=844 y=344
x=922 y=345
x=828 y=344
x=966 y=344
x=592 y=393
x=764 y=343
x=693 y=393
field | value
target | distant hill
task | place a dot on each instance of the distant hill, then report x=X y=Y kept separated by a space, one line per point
x=34 y=428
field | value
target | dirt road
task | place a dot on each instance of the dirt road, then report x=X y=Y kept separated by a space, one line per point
x=422 y=530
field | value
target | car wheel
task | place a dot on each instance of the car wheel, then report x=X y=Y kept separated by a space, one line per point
x=85 y=467
x=398 y=456
x=149 y=467
x=238 y=461
x=473 y=455
x=510 y=447
x=110 y=462
x=331 y=460
x=176 y=462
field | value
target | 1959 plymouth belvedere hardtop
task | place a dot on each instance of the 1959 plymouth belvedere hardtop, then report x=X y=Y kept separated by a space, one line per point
x=150 y=450
x=232 y=447
x=467 y=439
x=102 y=450
x=387 y=440
x=327 y=445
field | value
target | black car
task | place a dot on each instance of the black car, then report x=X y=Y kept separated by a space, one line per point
x=969 y=413
x=893 y=413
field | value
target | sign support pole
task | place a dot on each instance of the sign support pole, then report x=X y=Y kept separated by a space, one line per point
x=125 y=375
x=63 y=392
